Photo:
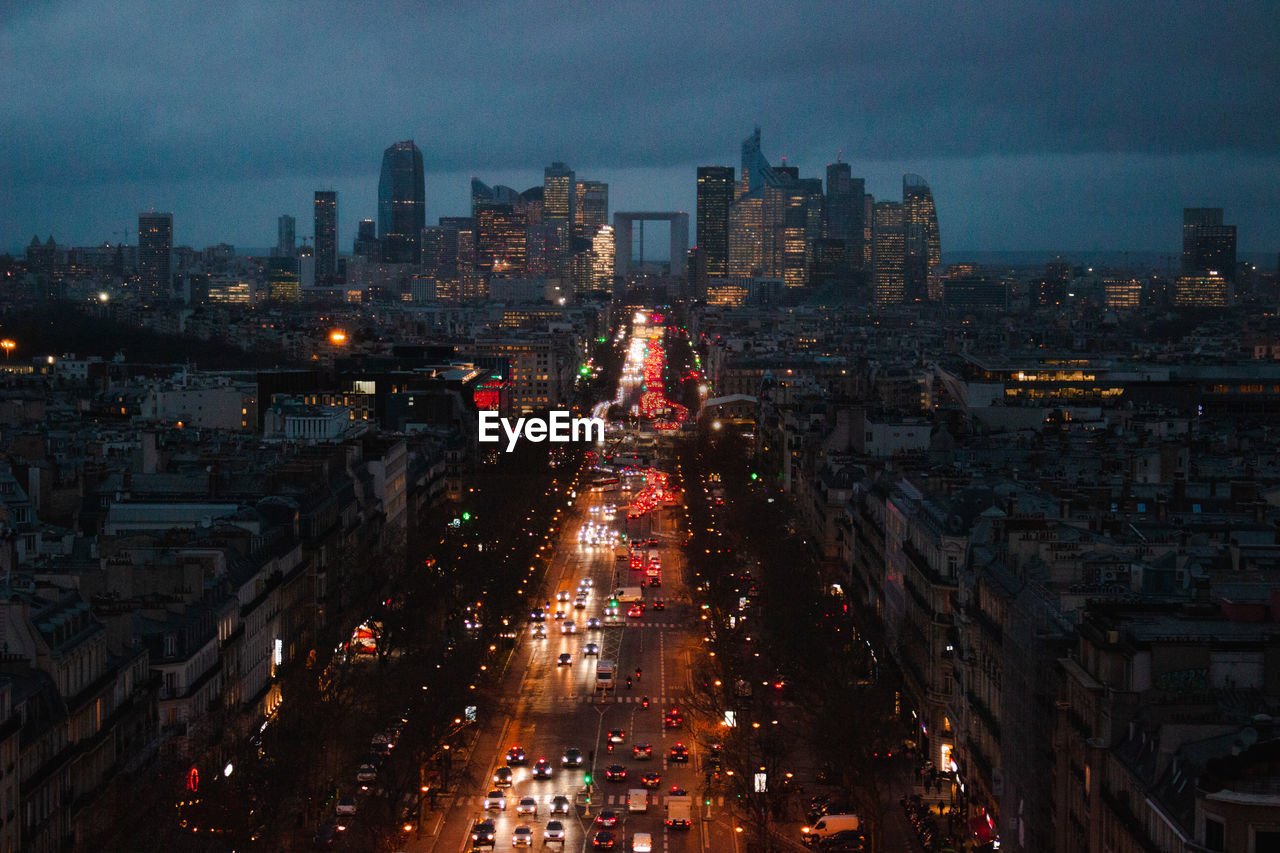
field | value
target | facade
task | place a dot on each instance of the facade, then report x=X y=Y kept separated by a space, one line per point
x=326 y=242
x=366 y=243
x=715 y=197
x=1206 y=290
x=922 y=245
x=401 y=204
x=501 y=235
x=155 y=251
x=888 y=253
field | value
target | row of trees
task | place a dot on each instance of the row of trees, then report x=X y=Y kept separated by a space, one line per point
x=794 y=666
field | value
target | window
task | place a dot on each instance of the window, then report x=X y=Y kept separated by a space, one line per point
x=1214 y=834
x=1266 y=841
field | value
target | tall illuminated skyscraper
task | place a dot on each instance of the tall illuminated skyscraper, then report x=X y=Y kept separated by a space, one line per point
x=1207 y=244
x=922 y=245
x=155 y=248
x=326 y=251
x=501 y=234
x=715 y=197
x=402 y=208
x=559 y=192
x=602 y=246
x=887 y=252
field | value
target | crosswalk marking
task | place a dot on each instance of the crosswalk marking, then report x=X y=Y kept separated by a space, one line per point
x=621 y=700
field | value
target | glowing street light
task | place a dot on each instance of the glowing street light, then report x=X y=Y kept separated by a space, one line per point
x=8 y=346
x=337 y=337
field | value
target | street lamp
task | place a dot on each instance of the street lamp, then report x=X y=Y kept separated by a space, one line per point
x=8 y=346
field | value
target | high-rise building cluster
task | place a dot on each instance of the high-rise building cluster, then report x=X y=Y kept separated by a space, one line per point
x=772 y=225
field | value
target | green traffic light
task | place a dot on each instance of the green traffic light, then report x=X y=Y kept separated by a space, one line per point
x=586 y=780
x=466 y=516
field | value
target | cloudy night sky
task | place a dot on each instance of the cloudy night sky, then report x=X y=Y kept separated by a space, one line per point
x=1066 y=126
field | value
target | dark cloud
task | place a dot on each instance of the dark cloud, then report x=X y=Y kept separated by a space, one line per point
x=150 y=98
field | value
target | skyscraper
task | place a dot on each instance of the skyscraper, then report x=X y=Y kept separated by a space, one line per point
x=756 y=171
x=155 y=247
x=559 y=192
x=715 y=197
x=844 y=211
x=366 y=243
x=922 y=246
x=501 y=235
x=591 y=211
x=603 y=249
x=401 y=203
x=286 y=244
x=326 y=213
x=887 y=252
x=1207 y=244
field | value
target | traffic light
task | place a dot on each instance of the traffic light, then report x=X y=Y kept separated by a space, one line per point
x=466 y=516
x=706 y=799
x=586 y=779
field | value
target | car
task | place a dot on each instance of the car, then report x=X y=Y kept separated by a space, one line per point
x=635 y=611
x=603 y=840
x=346 y=805
x=658 y=604
x=611 y=611
x=587 y=582
x=502 y=777
x=560 y=804
x=554 y=832
x=580 y=604
x=367 y=773
x=559 y=615
x=564 y=660
x=680 y=752
x=655 y=580
x=591 y=649
x=572 y=757
x=522 y=836
x=568 y=628
x=515 y=755
x=672 y=719
x=495 y=800
x=844 y=841
x=483 y=833
x=642 y=751
x=617 y=735
x=615 y=773
x=527 y=805
x=537 y=615
x=542 y=769
x=562 y=595
x=593 y=623
x=607 y=817
x=539 y=632
x=651 y=781
x=642 y=842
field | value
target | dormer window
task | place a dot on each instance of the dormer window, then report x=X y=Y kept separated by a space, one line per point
x=170 y=645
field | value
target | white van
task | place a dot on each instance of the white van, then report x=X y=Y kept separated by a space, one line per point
x=642 y=842
x=828 y=825
x=637 y=800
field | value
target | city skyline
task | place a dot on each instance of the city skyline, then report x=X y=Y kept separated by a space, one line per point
x=1094 y=130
